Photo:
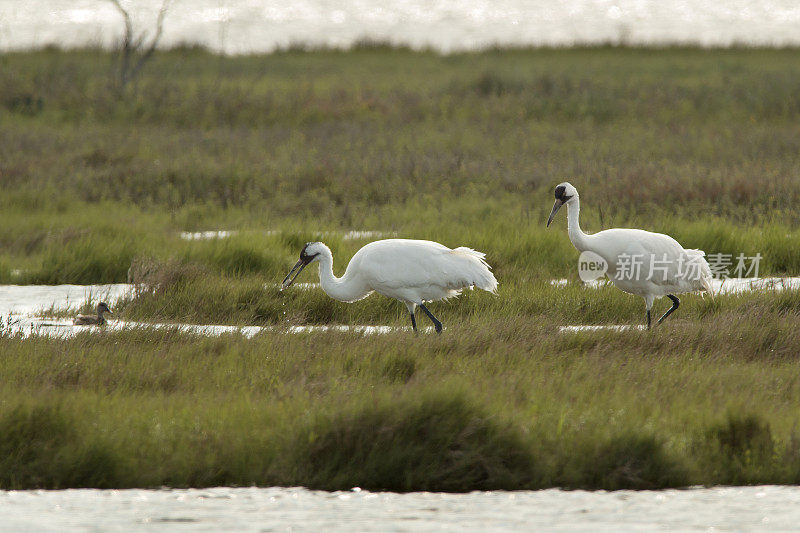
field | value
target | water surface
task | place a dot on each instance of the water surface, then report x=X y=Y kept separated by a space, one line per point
x=719 y=286
x=32 y=299
x=23 y=309
x=244 y=26
x=63 y=328
x=764 y=508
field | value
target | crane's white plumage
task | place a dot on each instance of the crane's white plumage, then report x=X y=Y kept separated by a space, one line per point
x=666 y=268
x=412 y=271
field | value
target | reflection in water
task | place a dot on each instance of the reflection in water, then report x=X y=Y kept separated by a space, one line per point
x=765 y=508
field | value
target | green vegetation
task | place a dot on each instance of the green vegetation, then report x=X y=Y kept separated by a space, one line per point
x=489 y=404
x=462 y=149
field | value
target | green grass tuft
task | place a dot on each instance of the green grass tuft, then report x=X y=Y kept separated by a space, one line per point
x=40 y=447
x=627 y=461
x=435 y=443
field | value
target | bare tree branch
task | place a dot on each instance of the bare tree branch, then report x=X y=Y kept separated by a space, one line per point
x=157 y=37
x=134 y=52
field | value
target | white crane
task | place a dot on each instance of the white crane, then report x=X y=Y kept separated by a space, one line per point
x=411 y=271
x=650 y=265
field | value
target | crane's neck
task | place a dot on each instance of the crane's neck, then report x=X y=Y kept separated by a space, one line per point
x=576 y=235
x=344 y=289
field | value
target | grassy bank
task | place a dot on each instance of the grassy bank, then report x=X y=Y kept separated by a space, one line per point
x=490 y=404
x=462 y=149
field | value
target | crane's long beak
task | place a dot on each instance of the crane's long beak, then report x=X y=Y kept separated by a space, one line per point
x=556 y=207
x=298 y=267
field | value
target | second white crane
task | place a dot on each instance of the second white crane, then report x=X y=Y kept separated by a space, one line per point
x=650 y=265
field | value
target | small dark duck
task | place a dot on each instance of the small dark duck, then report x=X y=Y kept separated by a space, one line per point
x=93 y=320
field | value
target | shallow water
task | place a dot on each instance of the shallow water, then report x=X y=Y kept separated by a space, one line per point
x=63 y=328
x=303 y=286
x=734 y=285
x=621 y=327
x=242 y=26
x=765 y=508
x=720 y=286
x=54 y=327
x=726 y=286
x=355 y=235
x=206 y=235
x=31 y=299
x=352 y=235
x=20 y=305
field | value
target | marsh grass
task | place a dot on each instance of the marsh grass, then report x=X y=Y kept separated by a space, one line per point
x=439 y=442
x=501 y=404
x=463 y=149
x=459 y=149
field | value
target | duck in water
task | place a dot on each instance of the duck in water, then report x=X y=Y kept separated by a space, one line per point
x=93 y=320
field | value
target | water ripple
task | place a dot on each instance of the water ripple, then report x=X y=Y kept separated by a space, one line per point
x=761 y=508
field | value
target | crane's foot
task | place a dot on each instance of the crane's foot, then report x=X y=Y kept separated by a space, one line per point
x=648 y=319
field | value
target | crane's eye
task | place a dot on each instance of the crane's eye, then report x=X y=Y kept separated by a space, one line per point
x=561 y=194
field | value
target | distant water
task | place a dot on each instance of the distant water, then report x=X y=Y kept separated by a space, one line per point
x=242 y=26
x=766 y=508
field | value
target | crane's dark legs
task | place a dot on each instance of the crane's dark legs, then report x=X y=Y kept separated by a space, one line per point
x=675 y=304
x=436 y=324
x=648 y=304
x=412 y=309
